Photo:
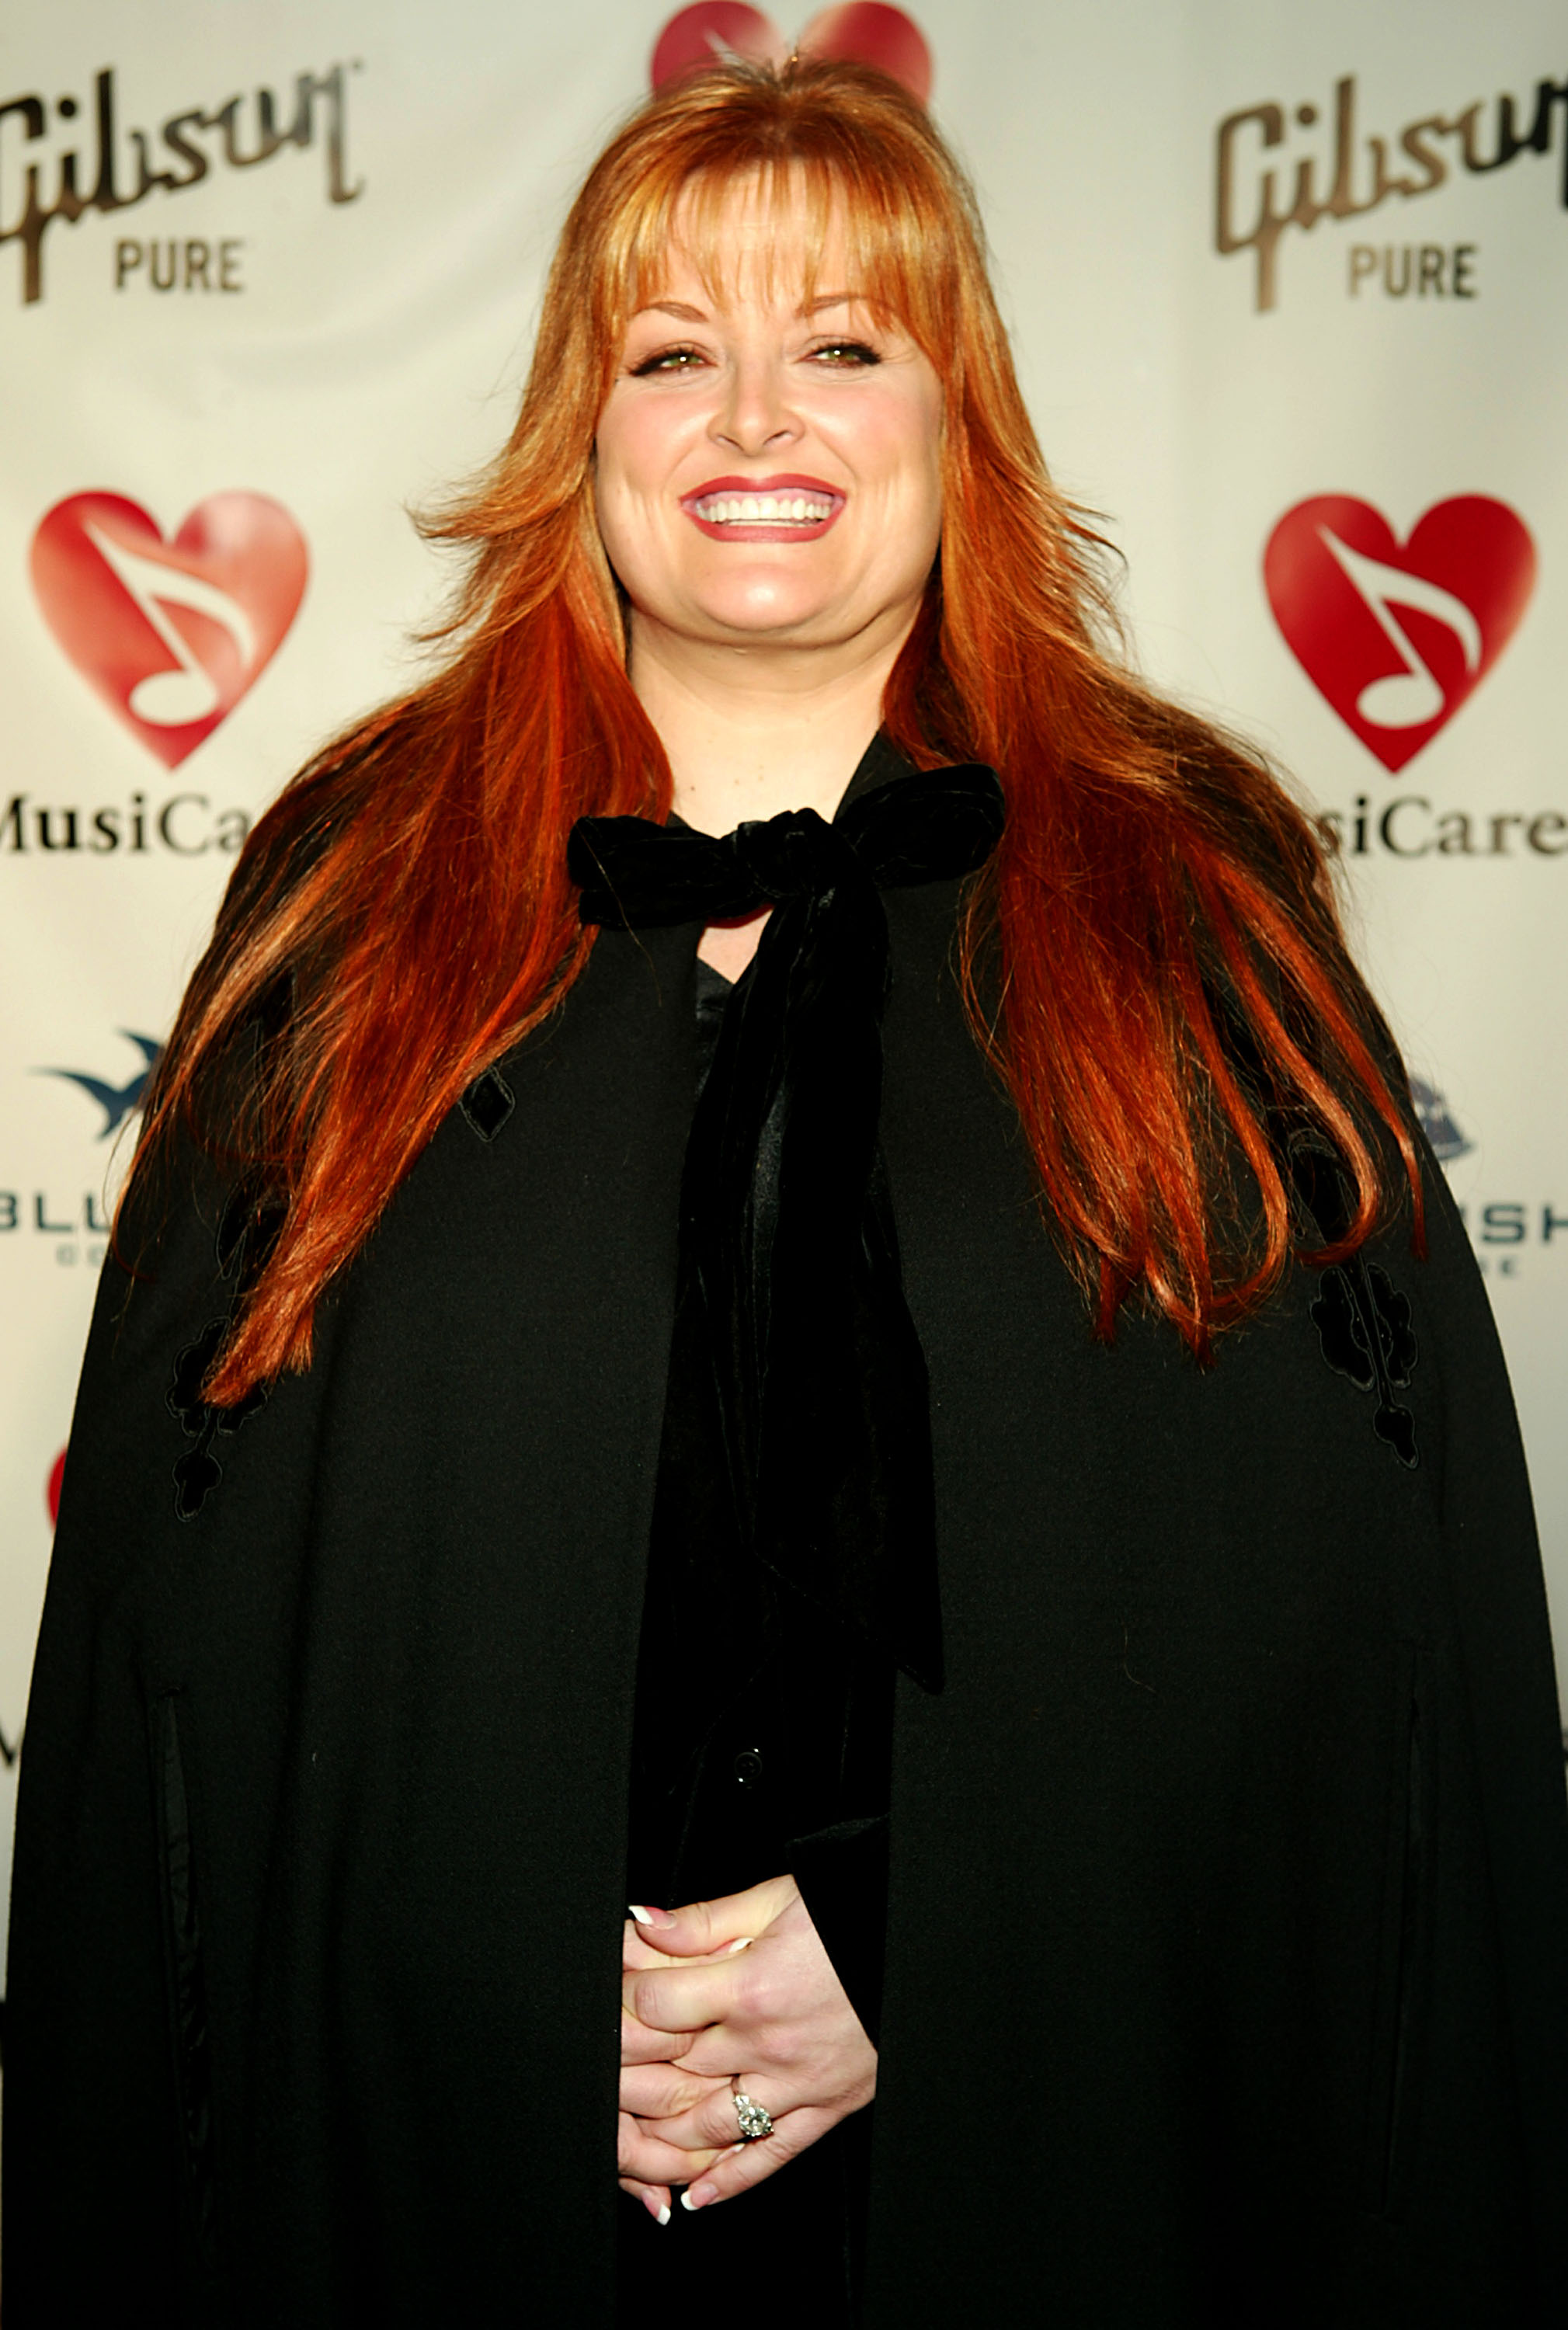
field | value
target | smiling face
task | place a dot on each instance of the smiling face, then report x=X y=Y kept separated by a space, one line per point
x=768 y=465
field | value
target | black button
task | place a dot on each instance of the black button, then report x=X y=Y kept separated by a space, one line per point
x=749 y=1767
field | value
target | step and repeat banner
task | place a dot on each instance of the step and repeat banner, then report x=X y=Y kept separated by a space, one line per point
x=1289 y=289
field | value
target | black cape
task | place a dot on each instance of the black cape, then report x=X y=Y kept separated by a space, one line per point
x=1227 y=1963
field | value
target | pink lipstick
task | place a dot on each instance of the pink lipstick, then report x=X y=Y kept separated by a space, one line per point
x=781 y=509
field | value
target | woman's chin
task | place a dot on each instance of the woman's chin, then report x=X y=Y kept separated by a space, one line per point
x=787 y=618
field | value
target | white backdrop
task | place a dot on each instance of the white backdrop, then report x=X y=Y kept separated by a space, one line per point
x=267 y=272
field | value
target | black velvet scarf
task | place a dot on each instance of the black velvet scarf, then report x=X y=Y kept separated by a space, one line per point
x=821 y=1380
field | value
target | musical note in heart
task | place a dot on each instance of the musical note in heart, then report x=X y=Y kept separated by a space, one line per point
x=1407 y=698
x=170 y=634
x=870 y=32
x=1396 y=636
x=172 y=699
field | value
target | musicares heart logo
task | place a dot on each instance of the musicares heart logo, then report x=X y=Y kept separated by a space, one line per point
x=1396 y=635
x=867 y=31
x=170 y=634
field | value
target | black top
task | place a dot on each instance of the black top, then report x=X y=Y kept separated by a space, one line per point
x=821 y=1389
x=762 y=1725
x=761 y=1745
x=765 y=1680
x=760 y=1740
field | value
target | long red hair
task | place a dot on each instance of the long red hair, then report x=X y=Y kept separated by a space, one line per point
x=402 y=915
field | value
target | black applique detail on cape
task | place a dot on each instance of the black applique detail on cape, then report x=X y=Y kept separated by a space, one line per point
x=1363 y=1320
x=247 y=1233
x=1364 y=1327
x=488 y=1104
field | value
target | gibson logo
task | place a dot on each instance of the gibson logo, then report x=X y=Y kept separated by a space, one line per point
x=318 y=96
x=1254 y=204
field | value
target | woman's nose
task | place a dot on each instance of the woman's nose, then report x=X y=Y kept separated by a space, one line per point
x=755 y=413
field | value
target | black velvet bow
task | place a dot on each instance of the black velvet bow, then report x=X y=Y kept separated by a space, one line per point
x=821 y=1380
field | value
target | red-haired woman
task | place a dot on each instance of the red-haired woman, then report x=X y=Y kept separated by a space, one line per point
x=668 y=1320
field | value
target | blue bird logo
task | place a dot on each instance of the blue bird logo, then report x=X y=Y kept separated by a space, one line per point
x=117 y=1100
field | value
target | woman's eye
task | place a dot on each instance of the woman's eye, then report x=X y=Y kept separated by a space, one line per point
x=844 y=354
x=666 y=360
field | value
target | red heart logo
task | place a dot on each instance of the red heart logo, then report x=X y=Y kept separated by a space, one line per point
x=866 y=30
x=171 y=634
x=1396 y=636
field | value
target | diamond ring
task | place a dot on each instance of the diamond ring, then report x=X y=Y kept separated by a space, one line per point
x=755 y=2119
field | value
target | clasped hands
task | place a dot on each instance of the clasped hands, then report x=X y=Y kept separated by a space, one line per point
x=738 y=1989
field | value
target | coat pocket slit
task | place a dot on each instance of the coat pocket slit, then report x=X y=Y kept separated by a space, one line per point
x=1403 y=1964
x=186 y=1980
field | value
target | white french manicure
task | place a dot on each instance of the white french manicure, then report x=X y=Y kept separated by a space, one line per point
x=663 y=2216
x=640 y=1913
x=686 y=2203
x=743 y=1944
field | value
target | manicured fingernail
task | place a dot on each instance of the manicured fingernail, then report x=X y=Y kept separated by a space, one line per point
x=697 y=2196
x=647 y=1916
x=743 y=1944
x=664 y=2212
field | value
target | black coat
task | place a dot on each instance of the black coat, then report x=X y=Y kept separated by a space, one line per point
x=1227 y=1967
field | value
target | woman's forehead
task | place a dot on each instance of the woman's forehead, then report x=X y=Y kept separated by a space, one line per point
x=747 y=238
x=770 y=237
x=786 y=275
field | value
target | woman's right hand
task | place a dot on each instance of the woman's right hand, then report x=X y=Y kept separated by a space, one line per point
x=654 y=2086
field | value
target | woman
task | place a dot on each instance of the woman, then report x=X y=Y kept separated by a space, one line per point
x=704 y=1356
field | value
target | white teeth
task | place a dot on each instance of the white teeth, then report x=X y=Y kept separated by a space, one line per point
x=763 y=509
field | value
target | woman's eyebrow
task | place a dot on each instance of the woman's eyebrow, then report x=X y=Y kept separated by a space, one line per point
x=690 y=315
x=672 y=307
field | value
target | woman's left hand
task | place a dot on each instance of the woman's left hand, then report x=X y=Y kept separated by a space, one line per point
x=764 y=2007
